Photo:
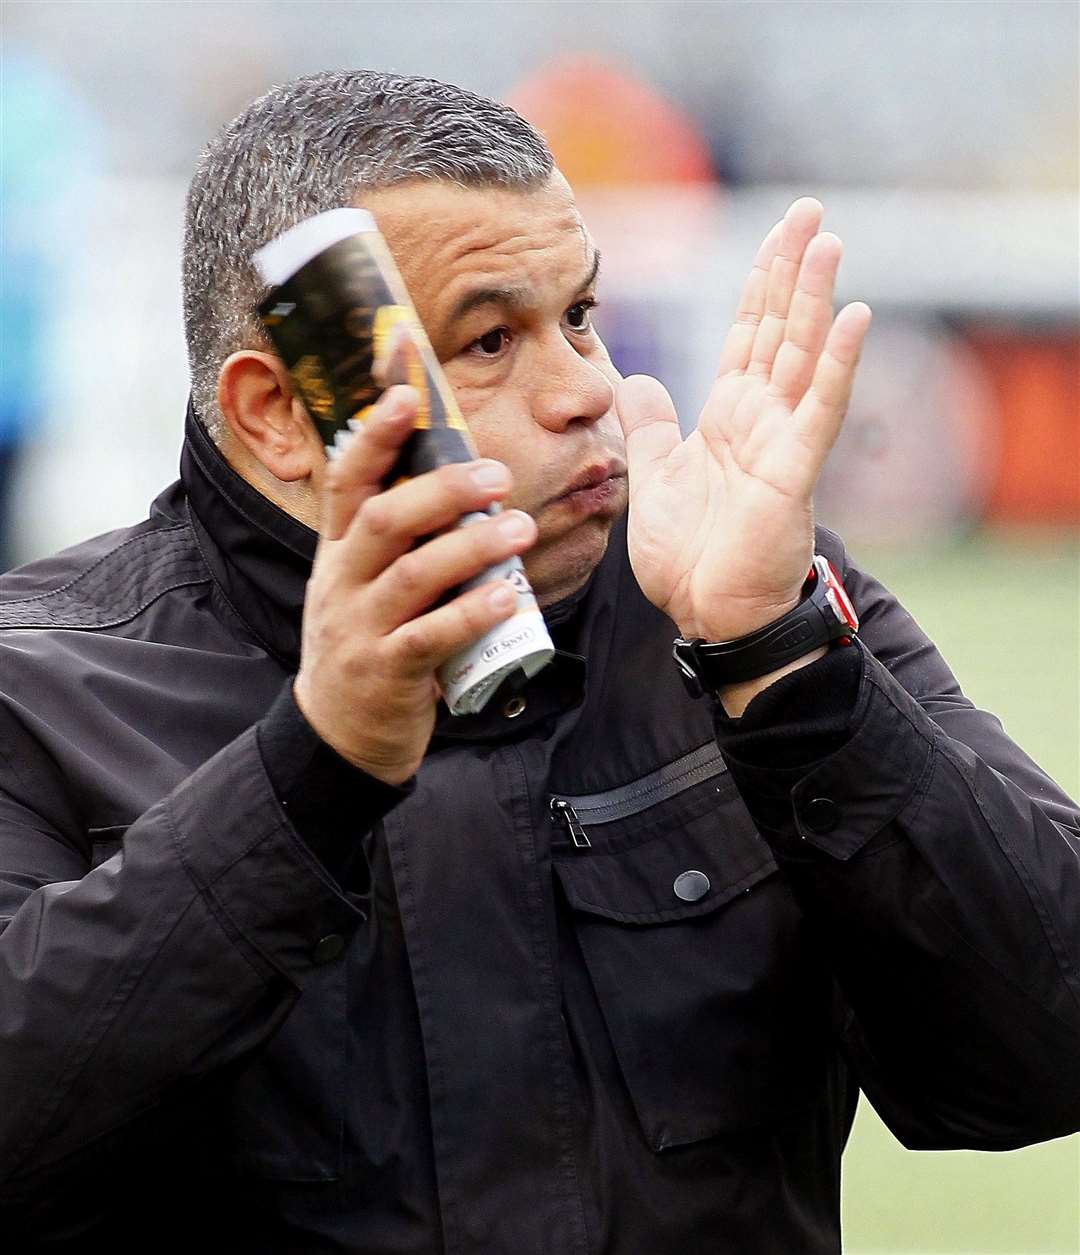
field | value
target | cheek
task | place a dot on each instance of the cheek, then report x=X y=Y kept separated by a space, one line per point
x=500 y=430
x=495 y=409
x=515 y=441
x=477 y=391
x=485 y=415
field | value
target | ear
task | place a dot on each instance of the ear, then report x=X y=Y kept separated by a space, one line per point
x=265 y=417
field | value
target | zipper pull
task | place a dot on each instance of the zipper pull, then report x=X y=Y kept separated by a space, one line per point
x=563 y=812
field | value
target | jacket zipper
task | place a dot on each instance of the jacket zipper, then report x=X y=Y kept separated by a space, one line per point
x=630 y=799
x=563 y=812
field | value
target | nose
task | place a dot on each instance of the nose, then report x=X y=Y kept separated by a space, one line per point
x=570 y=388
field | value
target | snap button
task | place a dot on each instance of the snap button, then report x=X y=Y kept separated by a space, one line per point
x=821 y=814
x=691 y=886
x=328 y=948
x=514 y=707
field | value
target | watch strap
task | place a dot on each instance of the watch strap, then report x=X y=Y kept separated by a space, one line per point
x=825 y=614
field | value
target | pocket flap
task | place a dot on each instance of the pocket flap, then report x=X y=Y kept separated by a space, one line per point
x=706 y=831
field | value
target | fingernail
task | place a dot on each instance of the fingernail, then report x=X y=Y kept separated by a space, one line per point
x=399 y=401
x=515 y=525
x=488 y=474
x=502 y=597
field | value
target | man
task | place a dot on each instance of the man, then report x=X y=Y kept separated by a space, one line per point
x=294 y=961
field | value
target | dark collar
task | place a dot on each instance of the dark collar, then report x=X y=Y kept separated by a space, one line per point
x=259 y=555
x=261 y=558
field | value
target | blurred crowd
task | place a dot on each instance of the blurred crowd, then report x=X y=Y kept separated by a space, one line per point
x=943 y=138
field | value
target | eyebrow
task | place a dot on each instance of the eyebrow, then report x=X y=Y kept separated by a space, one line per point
x=512 y=297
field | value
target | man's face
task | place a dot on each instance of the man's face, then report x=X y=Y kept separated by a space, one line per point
x=503 y=282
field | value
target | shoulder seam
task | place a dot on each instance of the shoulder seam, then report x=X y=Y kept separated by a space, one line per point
x=84 y=602
x=63 y=588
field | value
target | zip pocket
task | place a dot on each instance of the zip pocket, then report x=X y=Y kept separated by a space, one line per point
x=716 y=1002
x=573 y=813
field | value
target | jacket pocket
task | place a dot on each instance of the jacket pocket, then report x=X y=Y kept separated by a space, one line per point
x=714 y=998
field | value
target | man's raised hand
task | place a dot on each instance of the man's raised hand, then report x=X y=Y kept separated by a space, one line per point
x=373 y=633
x=721 y=523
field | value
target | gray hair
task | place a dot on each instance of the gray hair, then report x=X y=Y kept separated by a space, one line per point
x=310 y=145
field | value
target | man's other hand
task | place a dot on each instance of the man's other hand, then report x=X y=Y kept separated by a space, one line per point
x=721 y=524
x=371 y=638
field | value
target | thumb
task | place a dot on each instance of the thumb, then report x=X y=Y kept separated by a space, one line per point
x=649 y=423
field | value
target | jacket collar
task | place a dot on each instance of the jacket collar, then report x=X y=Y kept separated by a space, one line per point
x=260 y=558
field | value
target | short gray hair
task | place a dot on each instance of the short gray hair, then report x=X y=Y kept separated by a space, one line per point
x=310 y=145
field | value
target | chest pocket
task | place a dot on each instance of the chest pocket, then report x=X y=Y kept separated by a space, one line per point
x=714 y=998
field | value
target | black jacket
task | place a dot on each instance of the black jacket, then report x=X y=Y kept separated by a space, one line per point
x=251 y=1000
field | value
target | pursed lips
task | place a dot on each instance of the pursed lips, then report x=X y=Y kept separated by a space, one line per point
x=592 y=476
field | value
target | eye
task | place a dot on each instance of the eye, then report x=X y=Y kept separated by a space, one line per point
x=491 y=343
x=579 y=316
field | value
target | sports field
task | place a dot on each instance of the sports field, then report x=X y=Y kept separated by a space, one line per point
x=1004 y=609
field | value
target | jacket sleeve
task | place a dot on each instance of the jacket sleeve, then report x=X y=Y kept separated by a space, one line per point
x=942 y=869
x=124 y=987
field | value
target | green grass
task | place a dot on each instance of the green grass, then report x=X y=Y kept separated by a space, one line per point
x=1004 y=609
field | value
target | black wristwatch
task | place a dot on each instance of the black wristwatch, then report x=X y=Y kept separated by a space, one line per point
x=824 y=614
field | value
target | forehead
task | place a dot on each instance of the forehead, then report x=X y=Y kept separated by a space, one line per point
x=449 y=241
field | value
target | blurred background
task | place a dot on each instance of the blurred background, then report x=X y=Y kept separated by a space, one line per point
x=943 y=139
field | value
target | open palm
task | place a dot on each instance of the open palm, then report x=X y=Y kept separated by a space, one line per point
x=721 y=523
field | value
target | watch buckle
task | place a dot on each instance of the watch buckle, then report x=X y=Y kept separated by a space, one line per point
x=690 y=681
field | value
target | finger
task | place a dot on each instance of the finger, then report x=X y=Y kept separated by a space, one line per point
x=417 y=579
x=428 y=641
x=821 y=411
x=358 y=471
x=808 y=320
x=801 y=223
x=649 y=423
x=735 y=354
x=389 y=523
